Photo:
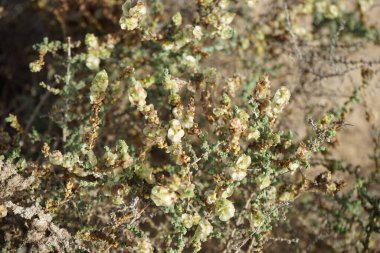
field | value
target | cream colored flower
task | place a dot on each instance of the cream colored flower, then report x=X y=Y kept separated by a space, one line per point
x=210 y=197
x=225 y=209
x=144 y=246
x=280 y=100
x=204 y=229
x=239 y=171
x=294 y=166
x=287 y=196
x=172 y=83
x=188 y=121
x=332 y=11
x=162 y=196
x=228 y=192
x=91 y=41
x=189 y=220
x=243 y=162
x=128 y=23
x=282 y=96
x=109 y=158
x=253 y=134
x=190 y=62
x=256 y=219
x=132 y=17
x=197 y=32
x=175 y=132
x=92 y=61
x=263 y=181
x=225 y=32
x=227 y=18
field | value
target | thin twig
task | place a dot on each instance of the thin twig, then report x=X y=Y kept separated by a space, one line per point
x=67 y=83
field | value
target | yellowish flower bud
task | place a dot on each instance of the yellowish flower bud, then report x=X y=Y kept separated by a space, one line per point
x=177 y=19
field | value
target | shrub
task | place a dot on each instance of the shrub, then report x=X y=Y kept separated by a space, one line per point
x=140 y=144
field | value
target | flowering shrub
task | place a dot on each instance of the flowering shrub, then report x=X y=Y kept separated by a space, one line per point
x=146 y=147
